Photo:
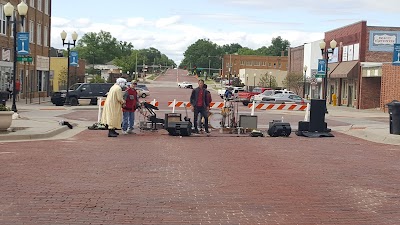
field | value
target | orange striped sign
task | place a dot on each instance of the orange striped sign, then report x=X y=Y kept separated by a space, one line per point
x=292 y=107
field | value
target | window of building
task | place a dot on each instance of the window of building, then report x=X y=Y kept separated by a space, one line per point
x=45 y=36
x=256 y=63
x=274 y=65
x=269 y=64
x=31 y=30
x=39 y=34
x=46 y=7
x=32 y=3
x=3 y=21
x=248 y=63
x=280 y=65
x=242 y=63
x=39 y=5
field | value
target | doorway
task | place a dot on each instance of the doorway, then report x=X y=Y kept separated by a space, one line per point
x=350 y=97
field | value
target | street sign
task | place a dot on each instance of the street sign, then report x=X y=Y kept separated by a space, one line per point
x=73 y=58
x=24 y=59
x=396 y=55
x=23 y=43
x=321 y=67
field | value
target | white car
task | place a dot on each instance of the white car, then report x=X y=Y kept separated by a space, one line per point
x=266 y=93
x=185 y=84
x=142 y=92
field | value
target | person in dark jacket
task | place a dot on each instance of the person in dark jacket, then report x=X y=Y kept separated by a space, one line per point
x=200 y=120
x=200 y=104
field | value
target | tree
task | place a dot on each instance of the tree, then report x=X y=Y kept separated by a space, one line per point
x=247 y=51
x=201 y=53
x=277 y=46
x=267 y=80
x=102 y=47
x=231 y=48
x=97 y=79
x=294 y=81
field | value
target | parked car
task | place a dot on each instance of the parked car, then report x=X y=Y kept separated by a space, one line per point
x=235 y=91
x=284 y=98
x=266 y=93
x=142 y=86
x=245 y=96
x=81 y=91
x=142 y=92
x=185 y=84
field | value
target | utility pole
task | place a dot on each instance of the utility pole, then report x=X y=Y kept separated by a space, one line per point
x=136 y=72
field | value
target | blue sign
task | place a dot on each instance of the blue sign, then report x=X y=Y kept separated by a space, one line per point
x=396 y=55
x=23 y=43
x=73 y=58
x=321 y=67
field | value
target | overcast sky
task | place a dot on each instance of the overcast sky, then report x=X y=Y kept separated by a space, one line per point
x=172 y=25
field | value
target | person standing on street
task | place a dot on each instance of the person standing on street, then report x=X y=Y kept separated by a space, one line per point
x=131 y=100
x=198 y=100
x=17 y=89
x=112 y=113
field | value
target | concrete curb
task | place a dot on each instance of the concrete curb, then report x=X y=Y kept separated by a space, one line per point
x=16 y=137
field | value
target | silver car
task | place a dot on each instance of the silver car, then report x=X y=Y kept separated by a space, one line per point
x=283 y=98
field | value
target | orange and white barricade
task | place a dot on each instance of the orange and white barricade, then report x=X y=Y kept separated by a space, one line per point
x=181 y=104
x=267 y=106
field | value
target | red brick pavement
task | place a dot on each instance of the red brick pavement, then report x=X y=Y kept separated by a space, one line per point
x=159 y=179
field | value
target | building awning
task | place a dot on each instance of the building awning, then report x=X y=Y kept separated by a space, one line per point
x=345 y=70
x=332 y=67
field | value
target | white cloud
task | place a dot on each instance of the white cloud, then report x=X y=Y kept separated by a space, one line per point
x=172 y=37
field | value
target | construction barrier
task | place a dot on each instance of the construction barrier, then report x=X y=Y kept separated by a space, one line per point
x=181 y=104
x=293 y=107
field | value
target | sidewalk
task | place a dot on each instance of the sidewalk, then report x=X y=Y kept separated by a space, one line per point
x=42 y=122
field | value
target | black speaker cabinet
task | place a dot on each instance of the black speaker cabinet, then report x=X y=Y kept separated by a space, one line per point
x=317 y=115
x=248 y=122
x=172 y=118
x=277 y=129
x=182 y=128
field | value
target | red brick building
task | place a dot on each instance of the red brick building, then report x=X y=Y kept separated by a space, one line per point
x=358 y=79
x=34 y=76
x=233 y=63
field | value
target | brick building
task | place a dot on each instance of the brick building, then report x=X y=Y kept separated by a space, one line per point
x=34 y=76
x=358 y=78
x=232 y=63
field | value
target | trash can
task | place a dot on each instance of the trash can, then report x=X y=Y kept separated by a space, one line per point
x=4 y=97
x=394 y=117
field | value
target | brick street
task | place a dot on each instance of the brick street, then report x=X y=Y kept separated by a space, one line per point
x=153 y=178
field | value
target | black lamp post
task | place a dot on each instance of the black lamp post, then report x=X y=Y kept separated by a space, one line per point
x=254 y=81
x=325 y=52
x=8 y=12
x=247 y=82
x=304 y=81
x=69 y=44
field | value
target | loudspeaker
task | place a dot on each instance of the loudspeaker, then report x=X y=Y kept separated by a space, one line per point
x=317 y=115
x=248 y=122
x=277 y=129
x=183 y=128
x=172 y=118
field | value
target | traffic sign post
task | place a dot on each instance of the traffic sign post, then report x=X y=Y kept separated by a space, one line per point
x=24 y=59
x=396 y=55
x=23 y=43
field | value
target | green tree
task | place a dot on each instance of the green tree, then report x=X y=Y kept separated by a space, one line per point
x=294 y=82
x=230 y=48
x=201 y=53
x=97 y=79
x=247 y=51
x=102 y=47
x=267 y=80
x=277 y=46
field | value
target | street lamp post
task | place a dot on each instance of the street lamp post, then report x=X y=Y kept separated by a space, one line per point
x=69 y=44
x=304 y=82
x=247 y=82
x=325 y=52
x=254 y=81
x=22 y=9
